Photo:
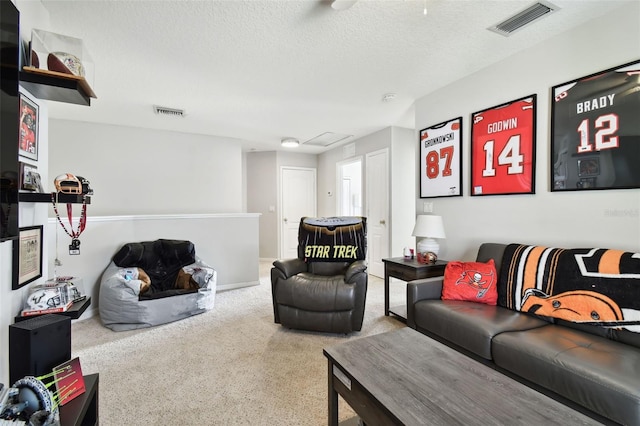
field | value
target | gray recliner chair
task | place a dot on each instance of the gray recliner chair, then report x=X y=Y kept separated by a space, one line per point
x=312 y=294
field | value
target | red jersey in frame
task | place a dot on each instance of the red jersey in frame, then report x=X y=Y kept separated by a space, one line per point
x=503 y=148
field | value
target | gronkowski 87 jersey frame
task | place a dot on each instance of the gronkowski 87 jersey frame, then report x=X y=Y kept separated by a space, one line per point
x=595 y=131
x=440 y=161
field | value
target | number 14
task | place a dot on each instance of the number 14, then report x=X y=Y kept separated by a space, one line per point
x=509 y=156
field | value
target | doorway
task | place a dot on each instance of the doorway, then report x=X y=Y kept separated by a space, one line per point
x=349 y=187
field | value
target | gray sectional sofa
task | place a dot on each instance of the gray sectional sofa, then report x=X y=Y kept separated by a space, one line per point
x=592 y=368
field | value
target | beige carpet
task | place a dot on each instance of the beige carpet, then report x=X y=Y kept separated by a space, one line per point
x=229 y=366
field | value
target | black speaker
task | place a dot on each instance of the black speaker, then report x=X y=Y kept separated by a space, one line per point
x=37 y=345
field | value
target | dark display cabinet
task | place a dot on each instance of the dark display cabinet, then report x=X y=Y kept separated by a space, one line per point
x=9 y=119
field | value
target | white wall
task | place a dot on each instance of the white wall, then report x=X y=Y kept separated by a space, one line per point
x=608 y=218
x=262 y=194
x=403 y=188
x=151 y=184
x=144 y=171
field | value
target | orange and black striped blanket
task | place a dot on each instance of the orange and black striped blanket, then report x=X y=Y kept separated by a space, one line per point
x=593 y=285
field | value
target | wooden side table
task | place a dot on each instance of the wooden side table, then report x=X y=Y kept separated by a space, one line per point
x=407 y=270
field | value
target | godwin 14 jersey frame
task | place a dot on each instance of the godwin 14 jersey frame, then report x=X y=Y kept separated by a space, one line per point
x=503 y=148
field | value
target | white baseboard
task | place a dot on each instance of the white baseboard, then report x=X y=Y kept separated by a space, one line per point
x=233 y=286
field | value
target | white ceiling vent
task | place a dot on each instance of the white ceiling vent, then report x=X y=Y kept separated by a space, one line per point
x=326 y=139
x=524 y=18
x=172 y=112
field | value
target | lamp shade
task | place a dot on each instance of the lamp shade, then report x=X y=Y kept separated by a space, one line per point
x=428 y=225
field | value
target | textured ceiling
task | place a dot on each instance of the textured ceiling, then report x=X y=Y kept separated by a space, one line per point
x=257 y=71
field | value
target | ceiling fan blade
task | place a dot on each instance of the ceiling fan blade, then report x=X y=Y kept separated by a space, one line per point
x=342 y=4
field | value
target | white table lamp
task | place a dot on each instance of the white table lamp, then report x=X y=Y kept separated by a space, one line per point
x=429 y=227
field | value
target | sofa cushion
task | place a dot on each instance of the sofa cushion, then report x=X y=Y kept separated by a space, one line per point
x=470 y=325
x=316 y=293
x=590 y=370
x=471 y=281
x=493 y=251
x=327 y=268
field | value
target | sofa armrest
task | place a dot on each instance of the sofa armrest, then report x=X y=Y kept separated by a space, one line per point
x=425 y=289
x=290 y=267
x=355 y=268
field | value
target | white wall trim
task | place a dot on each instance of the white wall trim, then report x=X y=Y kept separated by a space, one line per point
x=234 y=286
x=164 y=217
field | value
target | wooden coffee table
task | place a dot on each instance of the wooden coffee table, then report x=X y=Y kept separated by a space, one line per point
x=406 y=378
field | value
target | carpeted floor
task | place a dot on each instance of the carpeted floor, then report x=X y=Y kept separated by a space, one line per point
x=229 y=366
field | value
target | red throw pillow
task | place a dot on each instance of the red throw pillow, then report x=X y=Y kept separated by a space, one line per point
x=471 y=281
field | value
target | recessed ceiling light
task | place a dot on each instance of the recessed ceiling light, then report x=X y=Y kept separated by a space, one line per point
x=388 y=97
x=290 y=142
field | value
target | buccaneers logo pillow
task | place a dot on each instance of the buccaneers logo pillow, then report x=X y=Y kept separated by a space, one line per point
x=470 y=281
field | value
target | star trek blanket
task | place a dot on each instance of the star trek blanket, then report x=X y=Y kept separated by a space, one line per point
x=590 y=286
x=332 y=239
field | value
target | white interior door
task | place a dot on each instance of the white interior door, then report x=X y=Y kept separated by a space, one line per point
x=298 y=199
x=377 y=190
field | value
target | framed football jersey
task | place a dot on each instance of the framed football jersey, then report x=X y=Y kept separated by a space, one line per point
x=503 y=148
x=595 y=131
x=441 y=160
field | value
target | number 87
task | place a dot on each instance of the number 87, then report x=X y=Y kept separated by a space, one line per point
x=432 y=161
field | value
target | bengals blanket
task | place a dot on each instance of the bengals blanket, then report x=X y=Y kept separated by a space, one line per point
x=332 y=239
x=593 y=286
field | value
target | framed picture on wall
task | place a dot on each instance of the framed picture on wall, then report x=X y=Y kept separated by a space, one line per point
x=27 y=256
x=27 y=177
x=595 y=131
x=441 y=159
x=28 y=133
x=503 y=148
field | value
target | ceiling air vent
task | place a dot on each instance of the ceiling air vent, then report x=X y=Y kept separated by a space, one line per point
x=172 y=112
x=524 y=18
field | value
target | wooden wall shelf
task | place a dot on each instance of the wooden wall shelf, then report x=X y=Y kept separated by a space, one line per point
x=40 y=197
x=55 y=86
